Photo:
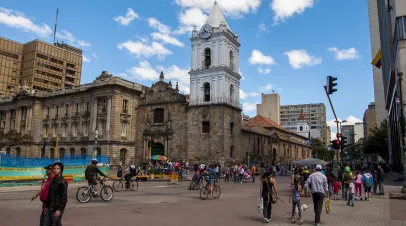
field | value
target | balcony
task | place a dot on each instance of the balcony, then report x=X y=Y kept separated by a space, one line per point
x=217 y=100
x=70 y=75
x=70 y=83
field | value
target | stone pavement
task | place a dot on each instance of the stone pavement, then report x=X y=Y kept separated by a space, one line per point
x=171 y=205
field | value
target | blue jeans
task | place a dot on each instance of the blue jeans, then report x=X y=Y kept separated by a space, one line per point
x=351 y=198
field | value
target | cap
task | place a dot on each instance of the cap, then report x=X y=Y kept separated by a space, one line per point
x=50 y=166
x=318 y=167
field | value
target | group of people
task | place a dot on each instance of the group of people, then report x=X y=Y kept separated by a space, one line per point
x=53 y=195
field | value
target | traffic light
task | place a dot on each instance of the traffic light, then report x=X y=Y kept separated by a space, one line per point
x=338 y=144
x=331 y=84
x=343 y=142
x=333 y=144
x=338 y=135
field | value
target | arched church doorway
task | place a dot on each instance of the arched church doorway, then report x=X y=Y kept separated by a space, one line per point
x=157 y=149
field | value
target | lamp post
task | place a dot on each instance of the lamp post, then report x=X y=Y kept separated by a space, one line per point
x=402 y=128
x=96 y=135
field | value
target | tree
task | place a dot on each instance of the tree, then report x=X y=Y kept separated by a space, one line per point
x=377 y=143
x=321 y=151
x=12 y=138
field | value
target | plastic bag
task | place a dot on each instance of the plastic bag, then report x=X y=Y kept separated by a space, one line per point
x=260 y=205
x=328 y=206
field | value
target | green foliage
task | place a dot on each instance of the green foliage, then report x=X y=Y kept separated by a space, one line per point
x=377 y=143
x=13 y=138
x=321 y=151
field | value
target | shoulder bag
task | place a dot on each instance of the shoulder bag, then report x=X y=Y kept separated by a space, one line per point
x=273 y=197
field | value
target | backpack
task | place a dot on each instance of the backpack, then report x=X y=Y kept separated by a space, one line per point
x=347 y=177
x=367 y=182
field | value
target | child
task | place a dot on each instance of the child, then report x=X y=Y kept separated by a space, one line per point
x=351 y=193
x=336 y=189
x=295 y=197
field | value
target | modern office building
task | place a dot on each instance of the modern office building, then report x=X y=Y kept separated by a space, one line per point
x=353 y=132
x=41 y=65
x=314 y=114
x=369 y=120
x=270 y=107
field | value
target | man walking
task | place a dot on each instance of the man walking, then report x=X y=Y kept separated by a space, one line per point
x=380 y=178
x=44 y=192
x=319 y=188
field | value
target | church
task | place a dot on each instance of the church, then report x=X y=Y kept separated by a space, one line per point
x=127 y=121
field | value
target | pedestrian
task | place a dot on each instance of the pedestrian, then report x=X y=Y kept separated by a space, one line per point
x=351 y=193
x=358 y=185
x=296 y=190
x=267 y=191
x=57 y=197
x=319 y=188
x=368 y=182
x=347 y=177
x=253 y=170
x=336 y=189
x=380 y=179
x=44 y=192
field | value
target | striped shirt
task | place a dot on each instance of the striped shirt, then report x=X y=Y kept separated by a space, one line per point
x=318 y=182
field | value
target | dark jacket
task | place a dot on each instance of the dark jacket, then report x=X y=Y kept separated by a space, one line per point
x=57 y=194
x=381 y=175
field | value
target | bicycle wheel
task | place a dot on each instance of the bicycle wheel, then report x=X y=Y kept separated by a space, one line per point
x=107 y=193
x=216 y=192
x=204 y=193
x=83 y=195
x=134 y=185
x=118 y=185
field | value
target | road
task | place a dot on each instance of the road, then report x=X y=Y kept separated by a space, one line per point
x=157 y=203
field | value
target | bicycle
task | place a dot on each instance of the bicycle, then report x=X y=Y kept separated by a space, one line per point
x=205 y=191
x=118 y=184
x=86 y=192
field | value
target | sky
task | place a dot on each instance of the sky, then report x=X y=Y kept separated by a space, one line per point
x=287 y=46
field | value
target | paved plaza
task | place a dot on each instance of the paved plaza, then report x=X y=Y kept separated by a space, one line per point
x=157 y=203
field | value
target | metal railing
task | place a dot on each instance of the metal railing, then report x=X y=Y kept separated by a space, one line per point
x=217 y=100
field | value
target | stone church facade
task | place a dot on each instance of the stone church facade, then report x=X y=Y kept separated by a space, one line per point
x=134 y=122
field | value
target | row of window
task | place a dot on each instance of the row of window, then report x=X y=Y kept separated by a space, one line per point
x=49 y=67
x=51 y=59
x=51 y=132
x=48 y=74
x=6 y=54
x=46 y=82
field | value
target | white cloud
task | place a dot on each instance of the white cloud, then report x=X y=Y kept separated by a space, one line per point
x=234 y=8
x=264 y=71
x=190 y=18
x=85 y=59
x=300 y=58
x=267 y=87
x=18 y=20
x=94 y=55
x=351 y=120
x=166 y=39
x=126 y=20
x=283 y=9
x=242 y=76
x=145 y=72
x=154 y=23
x=248 y=107
x=259 y=58
x=83 y=43
x=344 y=54
x=244 y=95
x=262 y=27
x=140 y=49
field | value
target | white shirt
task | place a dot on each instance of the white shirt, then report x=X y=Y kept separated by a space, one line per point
x=351 y=188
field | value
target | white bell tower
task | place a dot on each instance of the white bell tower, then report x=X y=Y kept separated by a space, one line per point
x=214 y=74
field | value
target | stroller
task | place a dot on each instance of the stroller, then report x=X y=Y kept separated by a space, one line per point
x=247 y=177
x=196 y=182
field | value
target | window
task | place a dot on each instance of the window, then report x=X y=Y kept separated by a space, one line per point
x=72 y=152
x=98 y=152
x=207 y=58
x=56 y=110
x=18 y=152
x=206 y=88
x=83 y=152
x=77 y=107
x=159 y=115
x=103 y=104
x=48 y=111
x=231 y=92
x=75 y=130
x=88 y=107
x=42 y=155
x=301 y=128
x=103 y=127
x=125 y=105
x=24 y=114
x=61 y=153
x=123 y=128
x=86 y=129
x=231 y=60
x=66 y=109
x=45 y=131
x=231 y=151
x=8 y=151
x=52 y=153
x=205 y=127
x=231 y=127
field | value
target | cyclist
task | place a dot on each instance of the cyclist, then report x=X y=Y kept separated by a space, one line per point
x=130 y=172
x=91 y=174
x=209 y=178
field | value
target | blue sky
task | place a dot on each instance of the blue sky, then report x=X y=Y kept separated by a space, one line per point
x=286 y=46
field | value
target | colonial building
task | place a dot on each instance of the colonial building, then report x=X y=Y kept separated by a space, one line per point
x=106 y=105
x=135 y=122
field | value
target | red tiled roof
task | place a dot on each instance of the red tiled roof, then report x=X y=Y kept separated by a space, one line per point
x=263 y=122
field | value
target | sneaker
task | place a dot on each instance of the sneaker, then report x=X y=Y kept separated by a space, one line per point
x=352 y=205
x=301 y=221
x=266 y=220
x=369 y=199
x=293 y=220
x=355 y=199
x=361 y=199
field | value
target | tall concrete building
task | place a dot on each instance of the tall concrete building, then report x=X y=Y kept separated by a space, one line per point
x=379 y=92
x=270 y=107
x=314 y=114
x=43 y=66
x=369 y=120
x=353 y=132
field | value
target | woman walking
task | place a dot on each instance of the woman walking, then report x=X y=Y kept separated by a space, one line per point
x=267 y=191
x=358 y=185
x=295 y=198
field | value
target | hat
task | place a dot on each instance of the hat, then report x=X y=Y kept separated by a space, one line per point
x=49 y=167
x=318 y=167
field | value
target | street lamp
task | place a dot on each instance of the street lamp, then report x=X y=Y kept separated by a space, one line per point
x=96 y=135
